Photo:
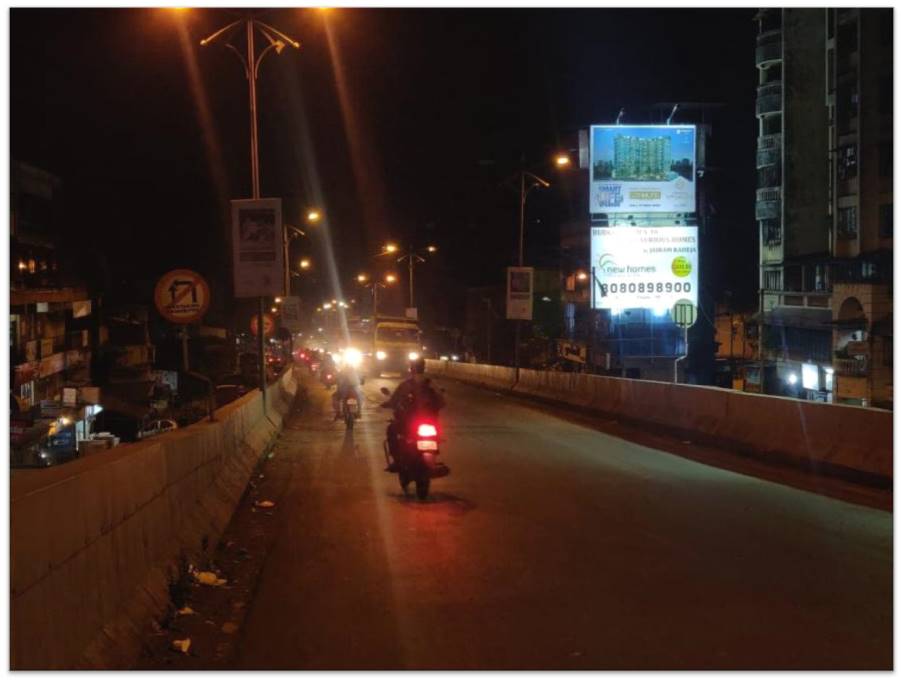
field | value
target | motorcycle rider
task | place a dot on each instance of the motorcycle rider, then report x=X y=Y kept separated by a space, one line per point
x=348 y=385
x=411 y=396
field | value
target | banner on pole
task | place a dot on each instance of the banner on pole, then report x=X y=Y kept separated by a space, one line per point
x=519 y=292
x=291 y=313
x=257 y=258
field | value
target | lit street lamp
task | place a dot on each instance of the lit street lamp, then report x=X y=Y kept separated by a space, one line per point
x=374 y=287
x=305 y=263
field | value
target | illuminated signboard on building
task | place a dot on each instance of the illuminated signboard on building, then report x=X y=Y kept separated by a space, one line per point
x=642 y=169
x=644 y=267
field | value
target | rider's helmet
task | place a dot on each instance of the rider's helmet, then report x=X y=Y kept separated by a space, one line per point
x=418 y=366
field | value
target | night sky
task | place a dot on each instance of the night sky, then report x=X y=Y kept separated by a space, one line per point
x=439 y=105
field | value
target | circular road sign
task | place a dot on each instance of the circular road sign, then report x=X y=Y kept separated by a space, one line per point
x=268 y=324
x=684 y=313
x=182 y=296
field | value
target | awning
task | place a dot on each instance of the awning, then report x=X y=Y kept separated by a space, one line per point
x=855 y=323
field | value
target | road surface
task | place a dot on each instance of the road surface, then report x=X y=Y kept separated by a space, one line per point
x=554 y=546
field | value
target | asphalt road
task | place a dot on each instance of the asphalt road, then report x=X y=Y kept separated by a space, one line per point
x=555 y=546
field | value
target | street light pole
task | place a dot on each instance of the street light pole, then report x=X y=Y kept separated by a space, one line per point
x=524 y=192
x=251 y=64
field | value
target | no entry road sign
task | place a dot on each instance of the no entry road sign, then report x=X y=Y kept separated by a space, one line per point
x=182 y=296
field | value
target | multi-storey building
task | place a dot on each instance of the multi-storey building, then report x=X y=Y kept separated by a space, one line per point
x=824 y=204
x=643 y=158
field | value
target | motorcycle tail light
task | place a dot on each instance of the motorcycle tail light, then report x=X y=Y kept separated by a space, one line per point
x=427 y=430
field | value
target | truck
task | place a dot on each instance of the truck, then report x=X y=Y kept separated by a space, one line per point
x=396 y=342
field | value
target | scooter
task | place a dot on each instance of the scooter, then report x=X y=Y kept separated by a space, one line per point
x=418 y=452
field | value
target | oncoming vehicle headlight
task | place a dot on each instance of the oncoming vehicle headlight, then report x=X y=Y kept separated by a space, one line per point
x=380 y=355
x=413 y=355
x=353 y=357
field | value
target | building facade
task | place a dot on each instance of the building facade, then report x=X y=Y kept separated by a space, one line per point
x=824 y=205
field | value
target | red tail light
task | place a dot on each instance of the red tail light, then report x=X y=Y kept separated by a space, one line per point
x=427 y=430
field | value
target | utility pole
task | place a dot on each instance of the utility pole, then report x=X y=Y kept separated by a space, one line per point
x=251 y=65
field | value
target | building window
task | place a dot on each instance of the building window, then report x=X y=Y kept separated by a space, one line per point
x=886 y=160
x=792 y=278
x=846 y=108
x=773 y=125
x=831 y=73
x=769 y=176
x=886 y=221
x=847 y=223
x=773 y=280
x=771 y=232
x=847 y=162
x=848 y=37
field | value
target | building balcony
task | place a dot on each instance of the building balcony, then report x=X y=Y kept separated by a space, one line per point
x=850 y=367
x=773 y=141
x=772 y=103
x=773 y=88
x=769 y=52
x=768 y=157
x=767 y=203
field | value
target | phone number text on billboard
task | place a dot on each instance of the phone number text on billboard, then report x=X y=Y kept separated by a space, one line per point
x=644 y=267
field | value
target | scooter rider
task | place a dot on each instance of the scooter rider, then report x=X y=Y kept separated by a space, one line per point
x=412 y=395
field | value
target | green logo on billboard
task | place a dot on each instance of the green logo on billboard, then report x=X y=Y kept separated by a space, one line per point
x=681 y=267
x=606 y=260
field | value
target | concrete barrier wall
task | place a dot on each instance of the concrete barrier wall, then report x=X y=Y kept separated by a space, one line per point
x=812 y=434
x=480 y=374
x=96 y=542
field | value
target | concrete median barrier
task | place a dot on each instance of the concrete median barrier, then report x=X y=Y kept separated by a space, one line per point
x=851 y=442
x=96 y=542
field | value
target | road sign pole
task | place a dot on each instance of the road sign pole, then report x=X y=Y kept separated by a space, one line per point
x=185 y=363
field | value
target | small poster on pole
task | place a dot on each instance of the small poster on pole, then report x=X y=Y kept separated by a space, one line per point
x=291 y=313
x=257 y=257
x=519 y=292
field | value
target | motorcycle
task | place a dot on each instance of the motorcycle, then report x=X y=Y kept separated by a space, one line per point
x=418 y=451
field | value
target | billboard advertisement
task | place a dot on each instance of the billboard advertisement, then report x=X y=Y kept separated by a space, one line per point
x=257 y=248
x=642 y=169
x=519 y=292
x=644 y=267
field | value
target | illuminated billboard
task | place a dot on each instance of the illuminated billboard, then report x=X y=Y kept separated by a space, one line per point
x=642 y=169
x=644 y=267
